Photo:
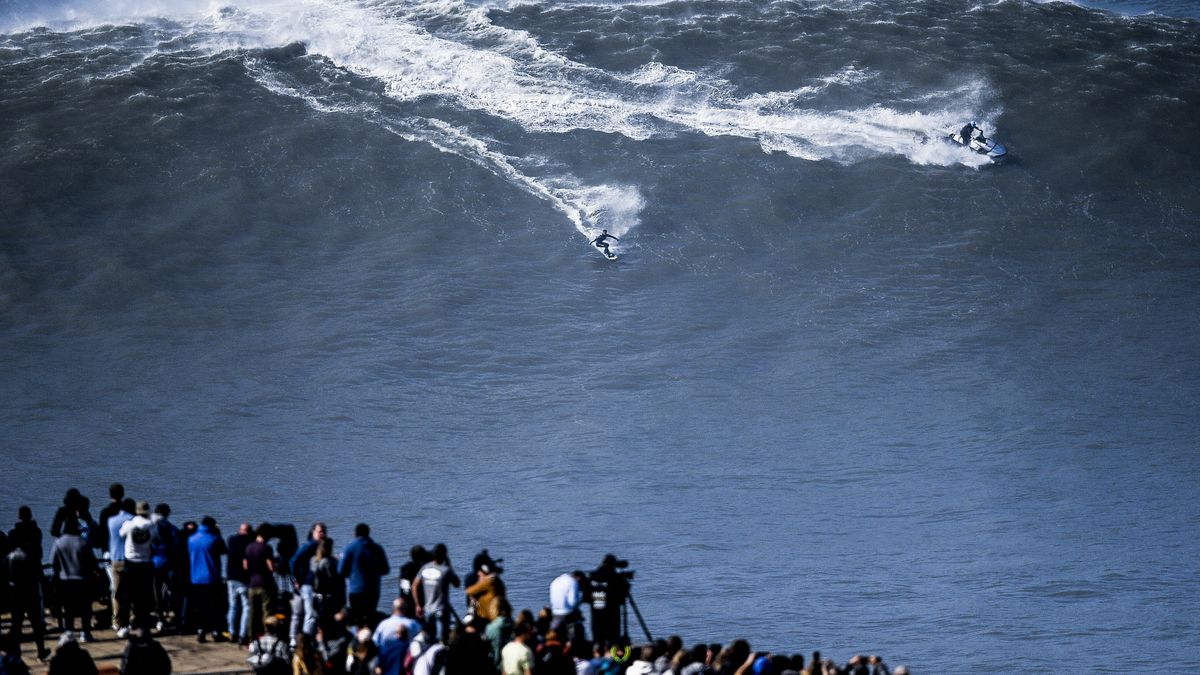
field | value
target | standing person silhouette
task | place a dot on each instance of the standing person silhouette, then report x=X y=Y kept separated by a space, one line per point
x=599 y=242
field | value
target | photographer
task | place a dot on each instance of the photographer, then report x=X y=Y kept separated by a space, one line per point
x=566 y=596
x=610 y=588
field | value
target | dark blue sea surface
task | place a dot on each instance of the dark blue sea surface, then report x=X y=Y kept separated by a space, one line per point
x=848 y=387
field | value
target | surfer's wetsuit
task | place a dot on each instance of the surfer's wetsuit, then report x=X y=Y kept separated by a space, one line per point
x=599 y=241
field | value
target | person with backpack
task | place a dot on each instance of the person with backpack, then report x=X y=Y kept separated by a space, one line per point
x=268 y=653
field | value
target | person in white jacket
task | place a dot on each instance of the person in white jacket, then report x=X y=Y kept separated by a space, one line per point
x=140 y=535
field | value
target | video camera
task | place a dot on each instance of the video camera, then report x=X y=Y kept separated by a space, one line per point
x=626 y=575
x=485 y=561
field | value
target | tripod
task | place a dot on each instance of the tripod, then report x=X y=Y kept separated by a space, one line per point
x=625 y=605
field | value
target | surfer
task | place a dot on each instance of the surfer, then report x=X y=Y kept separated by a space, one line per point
x=599 y=242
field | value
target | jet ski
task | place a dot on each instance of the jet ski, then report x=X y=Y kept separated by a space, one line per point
x=972 y=136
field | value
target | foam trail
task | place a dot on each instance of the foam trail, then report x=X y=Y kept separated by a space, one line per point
x=479 y=66
x=510 y=75
x=614 y=207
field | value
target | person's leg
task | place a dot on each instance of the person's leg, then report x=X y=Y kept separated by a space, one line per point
x=120 y=607
x=257 y=607
x=37 y=620
x=162 y=595
x=445 y=620
x=297 y=604
x=310 y=610
x=141 y=593
x=83 y=598
x=233 y=612
x=196 y=607
x=244 y=602
x=70 y=592
x=214 y=608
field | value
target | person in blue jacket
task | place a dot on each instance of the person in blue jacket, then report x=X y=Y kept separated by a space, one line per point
x=205 y=548
x=363 y=566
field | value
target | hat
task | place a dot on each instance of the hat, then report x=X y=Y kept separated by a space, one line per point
x=143 y=508
x=901 y=670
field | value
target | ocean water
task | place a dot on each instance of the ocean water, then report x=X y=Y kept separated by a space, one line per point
x=847 y=387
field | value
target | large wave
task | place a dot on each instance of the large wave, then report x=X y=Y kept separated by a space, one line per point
x=452 y=52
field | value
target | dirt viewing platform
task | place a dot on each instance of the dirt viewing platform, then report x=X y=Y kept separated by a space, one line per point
x=188 y=657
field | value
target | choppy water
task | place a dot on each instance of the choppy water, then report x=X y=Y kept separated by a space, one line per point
x=843 y=390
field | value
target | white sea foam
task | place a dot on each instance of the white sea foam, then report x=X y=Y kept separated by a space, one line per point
x=451 y=51
x=506 y=73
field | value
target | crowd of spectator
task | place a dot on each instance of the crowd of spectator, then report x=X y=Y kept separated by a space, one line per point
x=298 y=607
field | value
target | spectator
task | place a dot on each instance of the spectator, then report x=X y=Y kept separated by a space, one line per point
x=116 y=567
x=644 y=665
x=333 y=639
x=144 y=655
x=517 y=658
x=23 y=567
x=673 y=646
x=363 y=564
x=10 y=656
x=140 y=536
x=468 y=653
x=68 y=511
x=389 y=629
x=433 y=584
x=304 y=611
x=116 y=498
x=160 y=559
x=366 y=655
x=551 y=658
x=75 y=568
x=417 y=557
x=70 y=658
x=204 y=555
x=268 y=652
x=329 y=588
x=699 y=659
x=180 y=576
x=489 y=591
x=566 y=596
x=259 y=563
x=237 y=580
x=500 y=631
x=307 y=660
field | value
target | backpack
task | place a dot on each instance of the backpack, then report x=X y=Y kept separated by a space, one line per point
x=274 y=661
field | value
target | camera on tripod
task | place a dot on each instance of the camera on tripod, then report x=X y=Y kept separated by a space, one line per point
x=620 y=565
x=611 y=596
